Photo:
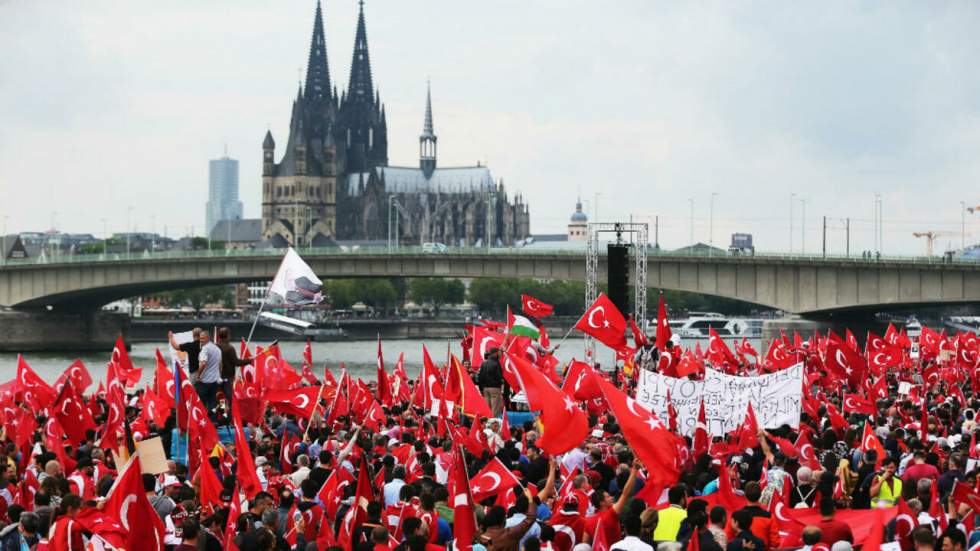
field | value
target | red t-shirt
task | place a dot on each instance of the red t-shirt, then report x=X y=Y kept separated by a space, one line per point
x=610 y=524
x=833 y=531
x=919 y=471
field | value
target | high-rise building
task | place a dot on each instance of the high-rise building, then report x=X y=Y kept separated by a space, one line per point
x=223 y=203
x=333 y=181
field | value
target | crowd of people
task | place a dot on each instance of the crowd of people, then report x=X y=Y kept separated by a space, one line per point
x=402 y=463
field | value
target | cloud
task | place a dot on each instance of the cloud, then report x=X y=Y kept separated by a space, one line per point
x=114 y=105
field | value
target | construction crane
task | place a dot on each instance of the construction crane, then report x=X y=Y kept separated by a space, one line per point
x=931 y=237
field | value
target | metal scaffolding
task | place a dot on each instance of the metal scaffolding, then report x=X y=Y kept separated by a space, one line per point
x=637 y=235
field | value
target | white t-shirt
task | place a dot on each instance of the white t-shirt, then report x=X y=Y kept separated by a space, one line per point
x=630 y=543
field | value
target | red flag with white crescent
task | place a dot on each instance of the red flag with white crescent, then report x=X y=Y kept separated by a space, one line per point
x=535 y=308
x=299 y=402
x=603 y=321
x=493 y=479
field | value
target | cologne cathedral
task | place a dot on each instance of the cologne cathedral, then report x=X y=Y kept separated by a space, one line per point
x=333 y=181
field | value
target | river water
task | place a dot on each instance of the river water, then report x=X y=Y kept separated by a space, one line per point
x=358 y=356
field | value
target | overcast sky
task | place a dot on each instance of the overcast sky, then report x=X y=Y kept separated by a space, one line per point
x=106 y=105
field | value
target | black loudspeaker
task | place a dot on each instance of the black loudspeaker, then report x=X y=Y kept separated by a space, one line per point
x=618 y=272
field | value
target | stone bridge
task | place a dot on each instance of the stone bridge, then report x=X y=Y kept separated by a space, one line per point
x=807 y=286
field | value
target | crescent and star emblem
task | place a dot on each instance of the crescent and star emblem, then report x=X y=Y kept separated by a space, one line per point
x=591 y=318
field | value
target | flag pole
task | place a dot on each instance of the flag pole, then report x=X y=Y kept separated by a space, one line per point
x=567 y=333
x=315 y=406
x=268 y=291
x=248 y=341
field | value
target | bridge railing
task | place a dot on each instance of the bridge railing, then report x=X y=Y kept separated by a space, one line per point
x=531 y=251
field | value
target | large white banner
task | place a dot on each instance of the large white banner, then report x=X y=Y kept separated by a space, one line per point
x=776 y=398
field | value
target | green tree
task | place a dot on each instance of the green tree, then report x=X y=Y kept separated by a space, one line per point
x=198 y=297
x=436 y=292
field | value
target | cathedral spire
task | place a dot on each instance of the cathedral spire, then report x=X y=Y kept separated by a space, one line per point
x=427 y=140
x=317 y=70
x=427 y=125
x=360 y=87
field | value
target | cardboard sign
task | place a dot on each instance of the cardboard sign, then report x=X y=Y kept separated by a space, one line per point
x=153 y=459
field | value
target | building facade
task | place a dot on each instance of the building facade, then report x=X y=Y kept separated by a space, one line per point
x=333 y=181
x=223 y=203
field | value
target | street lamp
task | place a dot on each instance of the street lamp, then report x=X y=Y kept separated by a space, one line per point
x=691 y=201
x=129 y=227
x=803 y=227
x=105 y=238
x=711 y=225
x=962 y=227
x=792 y=197
x=3 y=236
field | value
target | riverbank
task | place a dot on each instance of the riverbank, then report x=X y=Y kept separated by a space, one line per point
x=147 y=330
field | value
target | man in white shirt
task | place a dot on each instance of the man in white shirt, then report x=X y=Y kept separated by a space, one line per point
x=632 y=541
x=208 y=377
x=302 y=472
x=261 y=467
x=392 y=490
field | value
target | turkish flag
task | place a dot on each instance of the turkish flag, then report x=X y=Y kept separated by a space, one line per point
x=431 y=387
x=858 y=404
x=691 y=363
x=807 y=456
x=837 y=420
x=702 y=440
x=747 y=434
x=881 y=355
x=535 y=308
x=210 y=494
x=464 y=512
x=231 y=525
x=719 y=354
x=963 y=493
x=300 y=402
x=155 y=409
x=124 y=366
x=604 y=322
x=247 y=477
x=639 y=339
x=357 y=513
x=384 y=389
x=468 y=395
x=870 y=442
x=127 y=503
x=483 y=340
x=31 y=388
x=493 y=479
x=646 y=434
x=579 y=382
x=929 y=343
x=780 y=356
x=569 y=528
x=663 y=326
x=286 y=449
x=79 y=376
x=905 y=521
x=845 y=363
x=74 y=417
x=374 y=417
x=565 y=425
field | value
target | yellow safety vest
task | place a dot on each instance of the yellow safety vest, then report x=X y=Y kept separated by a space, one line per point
x=669 y=523
x=888 y=495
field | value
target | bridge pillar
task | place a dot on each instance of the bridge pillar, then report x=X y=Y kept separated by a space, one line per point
x=60 y=331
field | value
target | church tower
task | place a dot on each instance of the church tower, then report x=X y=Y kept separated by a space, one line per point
x=299 y=192
x=427 y=140
x=363 y=130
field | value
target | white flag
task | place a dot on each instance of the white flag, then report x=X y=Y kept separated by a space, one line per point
x=295 y=281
